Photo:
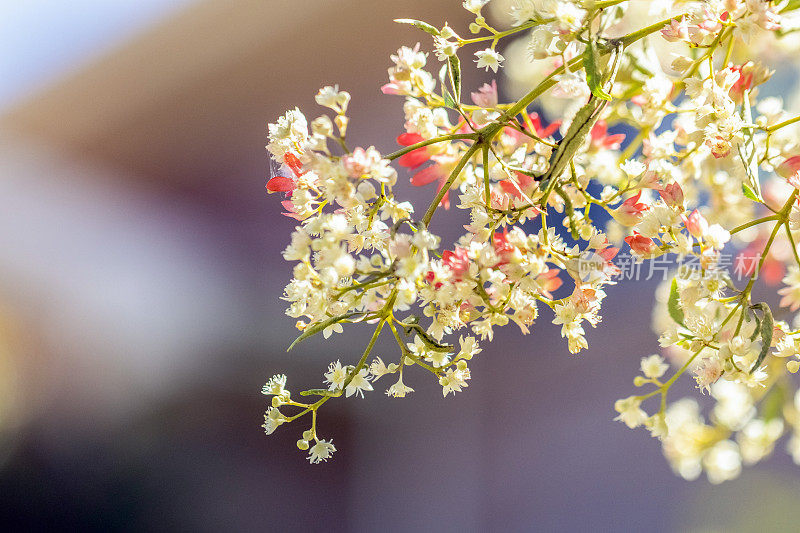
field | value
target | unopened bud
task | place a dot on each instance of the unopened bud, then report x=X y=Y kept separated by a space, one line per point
x=322 y=125
x=341 y=123
x=447 y=32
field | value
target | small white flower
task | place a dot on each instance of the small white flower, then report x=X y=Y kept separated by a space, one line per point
x=474 y=6
x=321 y=451
x=669 y=337
x=336 y=376
x=569 y=17
x=290 y=131
x=378 y=368
x=469 y=348
x=444 y=48
x=489 y=59
x=717 y=236
x=333 y=98
x=708 y=373
x=322 y=125
x=453 y=380
x=272 y=419
x=358 y=384
x=399 y=389
x=275 y=386
x=629 y=411
x=653 y=366
x=524 y=10
x=657 y=426
x=633 y=168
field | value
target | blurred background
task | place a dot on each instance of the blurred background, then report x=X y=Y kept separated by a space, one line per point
x=140 y=275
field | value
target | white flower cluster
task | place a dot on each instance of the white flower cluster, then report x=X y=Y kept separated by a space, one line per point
x=547 y=207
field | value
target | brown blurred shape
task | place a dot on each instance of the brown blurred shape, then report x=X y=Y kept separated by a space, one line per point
x=188 y=100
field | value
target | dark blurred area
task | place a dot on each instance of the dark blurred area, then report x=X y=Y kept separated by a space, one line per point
x=140 y=276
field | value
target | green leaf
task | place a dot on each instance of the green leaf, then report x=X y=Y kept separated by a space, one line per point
x=673 y=303
x=593 y=75
x=766 y=334
x=575 y=138
x=757 y=329
x=454 y=69
x=424 y=26
x=321 y=392
x=429 y=341
x=448 y=100
x=749 y=193
x=313 y=329
x=793 y=4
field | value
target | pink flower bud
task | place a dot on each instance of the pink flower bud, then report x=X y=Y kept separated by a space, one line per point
x=640 y=244
x=549 y=281
x=281 y=184
x=790 y=167
x=601 y=138
x=391 y=88
x=457 y=261
x=672 y=195
x=630 y=212
x=696 y=223
x=744 y=82
x=294 y=163
x=541 y=130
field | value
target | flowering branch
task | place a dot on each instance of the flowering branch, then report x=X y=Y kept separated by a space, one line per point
x=703 y=171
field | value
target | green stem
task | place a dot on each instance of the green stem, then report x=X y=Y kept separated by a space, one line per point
x=442 y=138
x=500 y=35
x=746 y=225
x=647 y=30
x=792 y=243
x=728 y=52
x=411 y=356
x=602 y=4
x=363 y=360
x=446 y=186
x=780 y=125
x=486 y=190
x=783 y=217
